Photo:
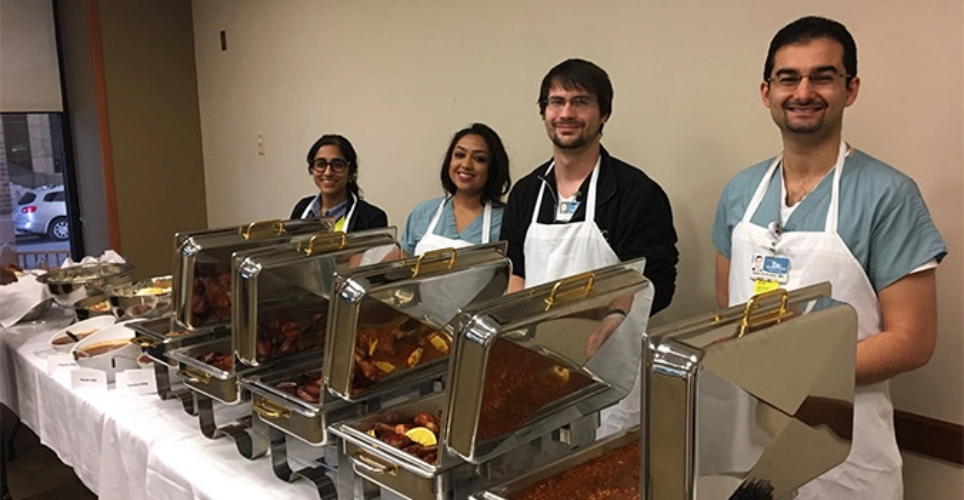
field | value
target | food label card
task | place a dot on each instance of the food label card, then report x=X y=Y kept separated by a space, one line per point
x=58 y=362
x=84 y=378
x=136 y=382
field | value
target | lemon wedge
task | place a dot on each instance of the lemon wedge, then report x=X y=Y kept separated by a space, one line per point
x=422 y=435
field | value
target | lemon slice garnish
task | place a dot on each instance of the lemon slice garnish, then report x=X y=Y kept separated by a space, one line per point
x=422 y=435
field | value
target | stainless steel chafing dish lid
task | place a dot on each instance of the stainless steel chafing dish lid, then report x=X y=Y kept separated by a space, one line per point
x=158 y=336
x=526 y=364
x=214 y=247
x=430 y=288
x=758 y=396
x=295 y=275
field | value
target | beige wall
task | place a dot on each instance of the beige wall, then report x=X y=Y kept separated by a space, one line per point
x=29 y=74
x=155 y=136
x=398 y=78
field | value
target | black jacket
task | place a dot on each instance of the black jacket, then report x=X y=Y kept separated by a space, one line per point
x=632 y=212
x=366 y=216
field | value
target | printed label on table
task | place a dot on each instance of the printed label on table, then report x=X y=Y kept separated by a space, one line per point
x=58 y=362
x=85 y=378
x=136 y=382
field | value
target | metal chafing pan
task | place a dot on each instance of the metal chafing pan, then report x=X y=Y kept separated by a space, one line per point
x=206 y=255
x=158 y=336
x=756 y=397
x=267 y=283
x=388 y=322
x=293 y=415
x=395 y=469
x=206 y=378
x=570 y=466
x=527 y=364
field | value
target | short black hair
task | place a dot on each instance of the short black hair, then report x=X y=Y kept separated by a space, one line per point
x=810 y=28
x=578 y=74
x=347 y=150
x=498 y=182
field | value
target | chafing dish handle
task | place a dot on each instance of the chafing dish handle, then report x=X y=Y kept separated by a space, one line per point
x=262 y=229
x=767 y=317
x=195 y=377
x=563 y=289
x=435 y=258
x=270 y=411
x=324 y=242
x=372 y=466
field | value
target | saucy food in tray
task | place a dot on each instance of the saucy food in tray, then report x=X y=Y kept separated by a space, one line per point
x=383 y=351
x=306 y=386
x=519 y=383
x=614 y=475
x=417 y=436
x=278 y=336
x=211 y=294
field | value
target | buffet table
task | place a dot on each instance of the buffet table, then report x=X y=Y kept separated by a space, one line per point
x=121 y=445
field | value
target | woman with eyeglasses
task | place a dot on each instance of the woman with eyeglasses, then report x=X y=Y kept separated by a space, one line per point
x=333 y=166
x=475 y=175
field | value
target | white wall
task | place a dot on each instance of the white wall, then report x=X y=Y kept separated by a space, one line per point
x=400 y=77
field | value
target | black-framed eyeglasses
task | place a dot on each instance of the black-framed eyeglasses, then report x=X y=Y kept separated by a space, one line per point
x=337 y=165
x=791 y=81
x=578 y=102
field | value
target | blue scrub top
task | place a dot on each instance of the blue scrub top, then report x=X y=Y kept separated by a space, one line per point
x=882 y=217
x=421 y=216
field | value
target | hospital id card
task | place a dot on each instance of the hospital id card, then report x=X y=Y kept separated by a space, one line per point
x=566 y=208
x=773 y=268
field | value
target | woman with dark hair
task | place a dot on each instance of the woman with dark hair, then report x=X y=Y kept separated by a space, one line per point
x=475 y=173
x=333 y=166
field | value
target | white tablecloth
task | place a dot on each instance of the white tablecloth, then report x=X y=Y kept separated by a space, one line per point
x=125 y=446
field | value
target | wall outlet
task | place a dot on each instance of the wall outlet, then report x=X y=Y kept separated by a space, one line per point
x=260 y=144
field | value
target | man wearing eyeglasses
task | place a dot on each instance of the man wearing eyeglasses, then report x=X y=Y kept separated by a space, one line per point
x=584 y=209
x=824 y=211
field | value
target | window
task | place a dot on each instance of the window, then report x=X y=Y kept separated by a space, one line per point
x=27 y=198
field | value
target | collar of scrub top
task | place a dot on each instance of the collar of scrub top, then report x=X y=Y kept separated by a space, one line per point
x=774 y=229
x=334 y=212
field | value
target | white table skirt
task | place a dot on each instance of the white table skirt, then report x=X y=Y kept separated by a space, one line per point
x=125 y=446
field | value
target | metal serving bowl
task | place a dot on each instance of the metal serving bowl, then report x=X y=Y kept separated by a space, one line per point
x=36 y=312
x=69 y=285
x=143 y=299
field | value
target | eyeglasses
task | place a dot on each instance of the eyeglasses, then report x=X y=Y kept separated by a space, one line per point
x=320 y=164
x=792 y=81
x=578 y=102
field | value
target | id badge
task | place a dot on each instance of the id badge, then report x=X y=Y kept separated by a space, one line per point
x=775 y=268
x=566 y=209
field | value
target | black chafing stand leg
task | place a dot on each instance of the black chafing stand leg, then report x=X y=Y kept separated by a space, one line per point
x=318 y=475
x=163 y=377
x=249 y=438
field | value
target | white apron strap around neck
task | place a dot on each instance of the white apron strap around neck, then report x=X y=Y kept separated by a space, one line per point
x=354 y=203
x=590 y=196
x=761 y=189
x=486 y=219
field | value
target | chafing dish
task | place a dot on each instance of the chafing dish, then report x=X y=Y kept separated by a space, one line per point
x=749 y=402
x=415 y=296
x=269 y=283
x=148 y=298
x=545 y=338
x=202 y=265
x=72 y=284
x=388 y=322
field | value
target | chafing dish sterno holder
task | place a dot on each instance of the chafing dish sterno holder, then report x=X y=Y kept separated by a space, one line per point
x=756 y=398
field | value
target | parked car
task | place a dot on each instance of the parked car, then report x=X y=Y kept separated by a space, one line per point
x=43 y=210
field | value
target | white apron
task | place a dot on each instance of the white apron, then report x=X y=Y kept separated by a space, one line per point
x=432 y=241
x=554 y=251
x=872 y=471
x=316 y=204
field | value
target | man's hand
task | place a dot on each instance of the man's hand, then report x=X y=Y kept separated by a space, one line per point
x=8 y=274
x=909 y=310
x=516 y=283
